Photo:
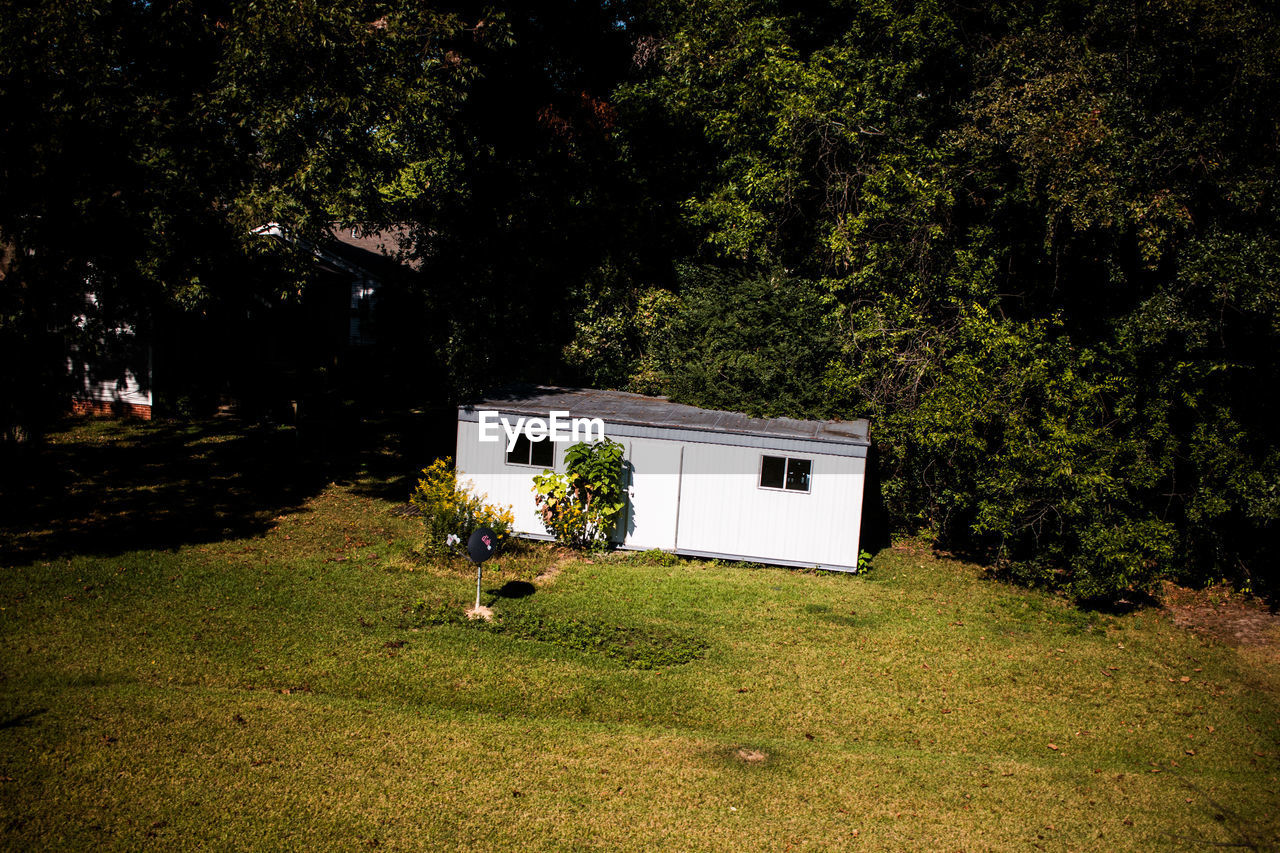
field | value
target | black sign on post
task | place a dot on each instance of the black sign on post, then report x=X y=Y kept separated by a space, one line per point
x=482 y=545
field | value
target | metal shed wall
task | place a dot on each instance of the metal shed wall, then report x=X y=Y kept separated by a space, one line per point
x=485 y=465
x=725 y=512
x=701 y=498
x=653 y=492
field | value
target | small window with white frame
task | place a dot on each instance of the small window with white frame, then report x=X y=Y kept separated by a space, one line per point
x=785 y=473
x=541 y=454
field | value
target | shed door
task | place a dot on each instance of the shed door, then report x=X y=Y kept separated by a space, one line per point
x=653 y=493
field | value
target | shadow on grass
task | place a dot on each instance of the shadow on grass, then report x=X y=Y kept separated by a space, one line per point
x=848 y=620
x=22 y=721
x=1246 y=835
x=104 y=488
x=514 y=589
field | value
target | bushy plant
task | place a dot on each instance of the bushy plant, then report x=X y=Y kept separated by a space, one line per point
x=581 y=507
x=451 y=510
x=753 y=342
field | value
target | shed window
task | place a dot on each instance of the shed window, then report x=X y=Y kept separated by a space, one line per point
x=541 y=453
x=779 y=472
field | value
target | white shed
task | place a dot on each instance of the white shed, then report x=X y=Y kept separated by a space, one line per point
x=700 y=483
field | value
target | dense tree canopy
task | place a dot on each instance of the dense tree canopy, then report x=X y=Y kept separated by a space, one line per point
x=1045 y=237
x=1036 y=243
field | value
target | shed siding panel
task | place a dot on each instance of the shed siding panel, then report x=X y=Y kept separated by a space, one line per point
x=723 y=509
x=712 y=498
x=653 y=493
x=485 y=465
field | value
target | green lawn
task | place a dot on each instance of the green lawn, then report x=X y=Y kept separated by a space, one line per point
x=304 y=681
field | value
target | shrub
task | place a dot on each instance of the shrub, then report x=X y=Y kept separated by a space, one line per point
x=581 y=507
x=653 y=557
x=452 y=508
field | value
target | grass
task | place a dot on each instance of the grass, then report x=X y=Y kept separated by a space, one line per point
x=306 y=681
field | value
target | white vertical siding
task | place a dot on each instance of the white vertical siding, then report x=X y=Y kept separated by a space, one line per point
x=485 y=465
x=109 y=379
x=653 y=493
x=723 y=510
x=697 y=497
x=126 y=389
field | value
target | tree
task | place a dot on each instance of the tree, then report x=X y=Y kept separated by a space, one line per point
x=145 y=140
x=582 y=506
x=98 y=99
x=1034 y=244
x=1042 y=240
x=759 y=343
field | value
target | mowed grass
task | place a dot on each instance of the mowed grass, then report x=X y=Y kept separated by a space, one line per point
x=299 y=686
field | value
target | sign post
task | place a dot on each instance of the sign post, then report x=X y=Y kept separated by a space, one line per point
x=480 y=547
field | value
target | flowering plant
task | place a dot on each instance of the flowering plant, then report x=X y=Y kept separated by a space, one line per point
x=582 y=506
x=451 y=509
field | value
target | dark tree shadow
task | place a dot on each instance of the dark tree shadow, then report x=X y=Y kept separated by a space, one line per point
x=875 y=533
x=107 y=488
x=113 y=488
x=1120 y=604
x=628 y=520
x=402 y=444
x=1245 y=833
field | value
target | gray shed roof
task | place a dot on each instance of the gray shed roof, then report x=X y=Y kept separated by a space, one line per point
x=620 y=407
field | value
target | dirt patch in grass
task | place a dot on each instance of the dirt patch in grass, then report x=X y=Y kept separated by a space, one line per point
x=1226 y=616
x=480 y=612
x=560 y=558
x=749 y=756
x=406 y=510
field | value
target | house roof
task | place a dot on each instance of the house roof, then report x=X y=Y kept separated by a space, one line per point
x=376 y=253
x=621 y=407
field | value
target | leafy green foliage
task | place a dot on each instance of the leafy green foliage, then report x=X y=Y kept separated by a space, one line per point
x=1041 y=256
x=1034 y=244
x=154 y=136
x=581 y=507
x=754 y=342
x=451 y=510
